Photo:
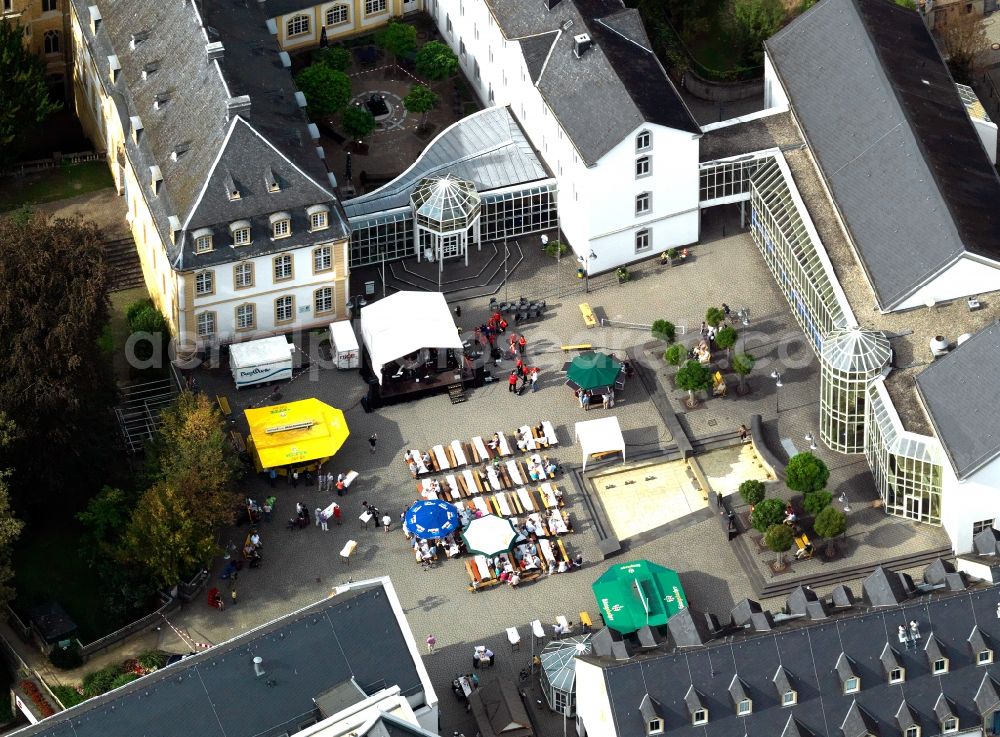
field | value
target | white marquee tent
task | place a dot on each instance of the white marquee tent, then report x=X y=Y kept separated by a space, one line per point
x=405 y=322
x=600 y=436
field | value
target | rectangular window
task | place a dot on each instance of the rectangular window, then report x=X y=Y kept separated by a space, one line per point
x=949 y=725
x=204 y=282
x=317 y=221
x=246 y=317
x=744 y=707
x=642 y=240
x=912 y=732
x=241 y=236
x=206 y=324
x=940 y=666
x=852 y=685
x=897 y=675
x=336 y=15
x=243 y=275
x=643 y=166
x=655 y=726
x=461 y=48
x=642 y=203
x=374 y=6
x=284 y=309
x=447 y=22
x=322 y=259
x=323 y=300
x=984 y=657
x=789 y=698
x=700 y=717
x=978 y=527
x=283 y=267
x=282 y=228
x=642 y=141
x=203 y=244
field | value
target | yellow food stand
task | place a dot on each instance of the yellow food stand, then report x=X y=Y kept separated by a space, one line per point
x=301 y=434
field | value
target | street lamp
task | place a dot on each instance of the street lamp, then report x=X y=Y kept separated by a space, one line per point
x=843 y=500
x=809 y=439
x=744 y=315
x=585 y=265
x=776 y=375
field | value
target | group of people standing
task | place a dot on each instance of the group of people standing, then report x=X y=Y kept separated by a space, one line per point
x=521 y=376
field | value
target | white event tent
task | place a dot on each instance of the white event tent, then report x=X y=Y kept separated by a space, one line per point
x=600 y=436
x=404 y=323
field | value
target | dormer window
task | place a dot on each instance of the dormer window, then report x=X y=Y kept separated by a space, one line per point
x=155 y=179
x=241 y=232
x=848 y=676
x=789 y=698
x=232 y=191
x=984 y=657
x=949 y=725
x=913 y=731
x=940 y=666
x=897 y=675
x=852 y=685
x=281 y=224
x=643 y=141
x=319 y=217
x=654 y=726
x=700 y=716
x=202 y=240
x=271 y=181
x=744 y=707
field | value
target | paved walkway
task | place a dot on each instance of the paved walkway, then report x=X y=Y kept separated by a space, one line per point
x=302 y=566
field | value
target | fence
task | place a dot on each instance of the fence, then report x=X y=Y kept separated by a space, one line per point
x=20 y=628
x=606 y=323
x=151 y=619
x=56 y=160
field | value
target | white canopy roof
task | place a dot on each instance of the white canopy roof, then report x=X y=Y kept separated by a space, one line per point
x=599 y=436
x=405 y=322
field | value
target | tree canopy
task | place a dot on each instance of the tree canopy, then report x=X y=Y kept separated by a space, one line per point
x=421 y=100
x=436 y=61
x=806 y=473
x=756 y=21
x=714 y=316
x=326 y=89
x=24 y=95
x=10 y=526
x=778 y=538
x=963 y=41
x=335 y=57
x=752 y=491
x=358 y=121
x=768 y=512
x=830 y=523
x=397 y=38
x=664 y=330
x=675 y=354
x=693 y=377
x=56 y=386
x=817 y=501
x=742 y=364
x=726 y=338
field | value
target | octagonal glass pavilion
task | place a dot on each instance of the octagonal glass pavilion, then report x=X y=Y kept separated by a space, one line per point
x=446 y=213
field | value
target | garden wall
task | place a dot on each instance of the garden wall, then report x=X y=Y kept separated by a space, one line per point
x=721 y=91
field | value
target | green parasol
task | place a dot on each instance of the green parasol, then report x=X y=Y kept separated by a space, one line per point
x=591 y=370
x=633 y=595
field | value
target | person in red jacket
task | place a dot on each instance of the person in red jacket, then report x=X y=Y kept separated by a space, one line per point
x=512 y=381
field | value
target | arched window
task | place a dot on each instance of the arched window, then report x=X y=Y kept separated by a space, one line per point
x=51 y=42
x=643 y=141
x=48 y=5
x=338 y=14
x=297 y=25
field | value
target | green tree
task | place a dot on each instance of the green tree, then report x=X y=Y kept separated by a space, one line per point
x=830 y=523
x=963 y=43
x=817 y=501
x=714 y=316
x=335 y=57
x=54 y=387
x=806 y=473
x=743 y=365
x=726 y=338
x=693 y=377
x=752 y=491
x=397 y=38
x=421 y=100
x=104 y=519
x=145 y=320
x=908 y=4
x=778 y=539
x=768 y=512
x=358 y=121
x=435 y=61
x=10 y=526
x=756 y=21
x=327 y=91
x=675 y=354
x=24 y=95
x=664 y=330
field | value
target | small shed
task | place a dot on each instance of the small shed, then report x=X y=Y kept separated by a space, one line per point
x=499 y=711
x=51 y=624
x=559 y=672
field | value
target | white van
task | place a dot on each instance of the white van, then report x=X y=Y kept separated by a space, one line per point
x=344 y=345
x=261 y=361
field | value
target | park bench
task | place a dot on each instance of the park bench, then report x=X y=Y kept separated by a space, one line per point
x=589 y=319
x=224 y=407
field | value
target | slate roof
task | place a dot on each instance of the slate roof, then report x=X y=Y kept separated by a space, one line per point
x=811 y=653
x=487 y=148
x=216 y=693
x=890 y=132
x=956 y=391
x=190 y=130
x=612 y=89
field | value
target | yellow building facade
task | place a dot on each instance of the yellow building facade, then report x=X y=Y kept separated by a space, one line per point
x=299 y=28
x=46 y=30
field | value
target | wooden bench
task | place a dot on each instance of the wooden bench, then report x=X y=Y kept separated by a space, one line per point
x=348 y=550
x=589 y=319
x=224 y=407
x=604 y=454
x=585 y=621
x=577 y=347
x=719 y=387
x=237 y=441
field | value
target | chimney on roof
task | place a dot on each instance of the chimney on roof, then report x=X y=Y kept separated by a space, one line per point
x=95 y=18
x=258 y=666
x=236 y=105
x=581 y=42
x=215 y=49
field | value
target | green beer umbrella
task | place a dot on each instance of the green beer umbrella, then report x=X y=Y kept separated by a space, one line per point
x=591 y=370
x=633 y=595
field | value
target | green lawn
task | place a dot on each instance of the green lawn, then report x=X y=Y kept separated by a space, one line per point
x=54 y=184
x=48 y=567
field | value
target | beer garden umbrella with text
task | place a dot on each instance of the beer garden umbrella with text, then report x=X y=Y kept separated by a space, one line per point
x=591 y=370
x=639 y=593
x=490 y=535
x=430 y=518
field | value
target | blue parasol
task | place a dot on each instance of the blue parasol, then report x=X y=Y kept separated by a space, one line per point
x=430 y=518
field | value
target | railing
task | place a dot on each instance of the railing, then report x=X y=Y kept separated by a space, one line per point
x=138 y=625
x=606 y=323
x=28 y=167
x=20 y=628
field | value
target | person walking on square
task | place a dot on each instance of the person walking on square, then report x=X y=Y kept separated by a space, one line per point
x=512 y=382
x=319 y=513
x=337 y=515
x=534 y=380
x=295 y=479
x=522 y=344
x=386 y=522
x=324 y=521
x=431 y=642
x=372 y=440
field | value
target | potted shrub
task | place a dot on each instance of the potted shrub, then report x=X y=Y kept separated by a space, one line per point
x=676 y=354
x=664 y=330
x=693 y=377
x=779 y=539
x=622 y=274
x=806 y=473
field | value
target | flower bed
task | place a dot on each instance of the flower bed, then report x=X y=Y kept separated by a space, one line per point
x=41 y=704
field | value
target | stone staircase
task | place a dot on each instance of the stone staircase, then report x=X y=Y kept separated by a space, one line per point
x=483 y=277
x=124 y=265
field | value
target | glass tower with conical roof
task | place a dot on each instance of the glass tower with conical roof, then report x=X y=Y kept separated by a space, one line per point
x=446 y=213
x=851 y=358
